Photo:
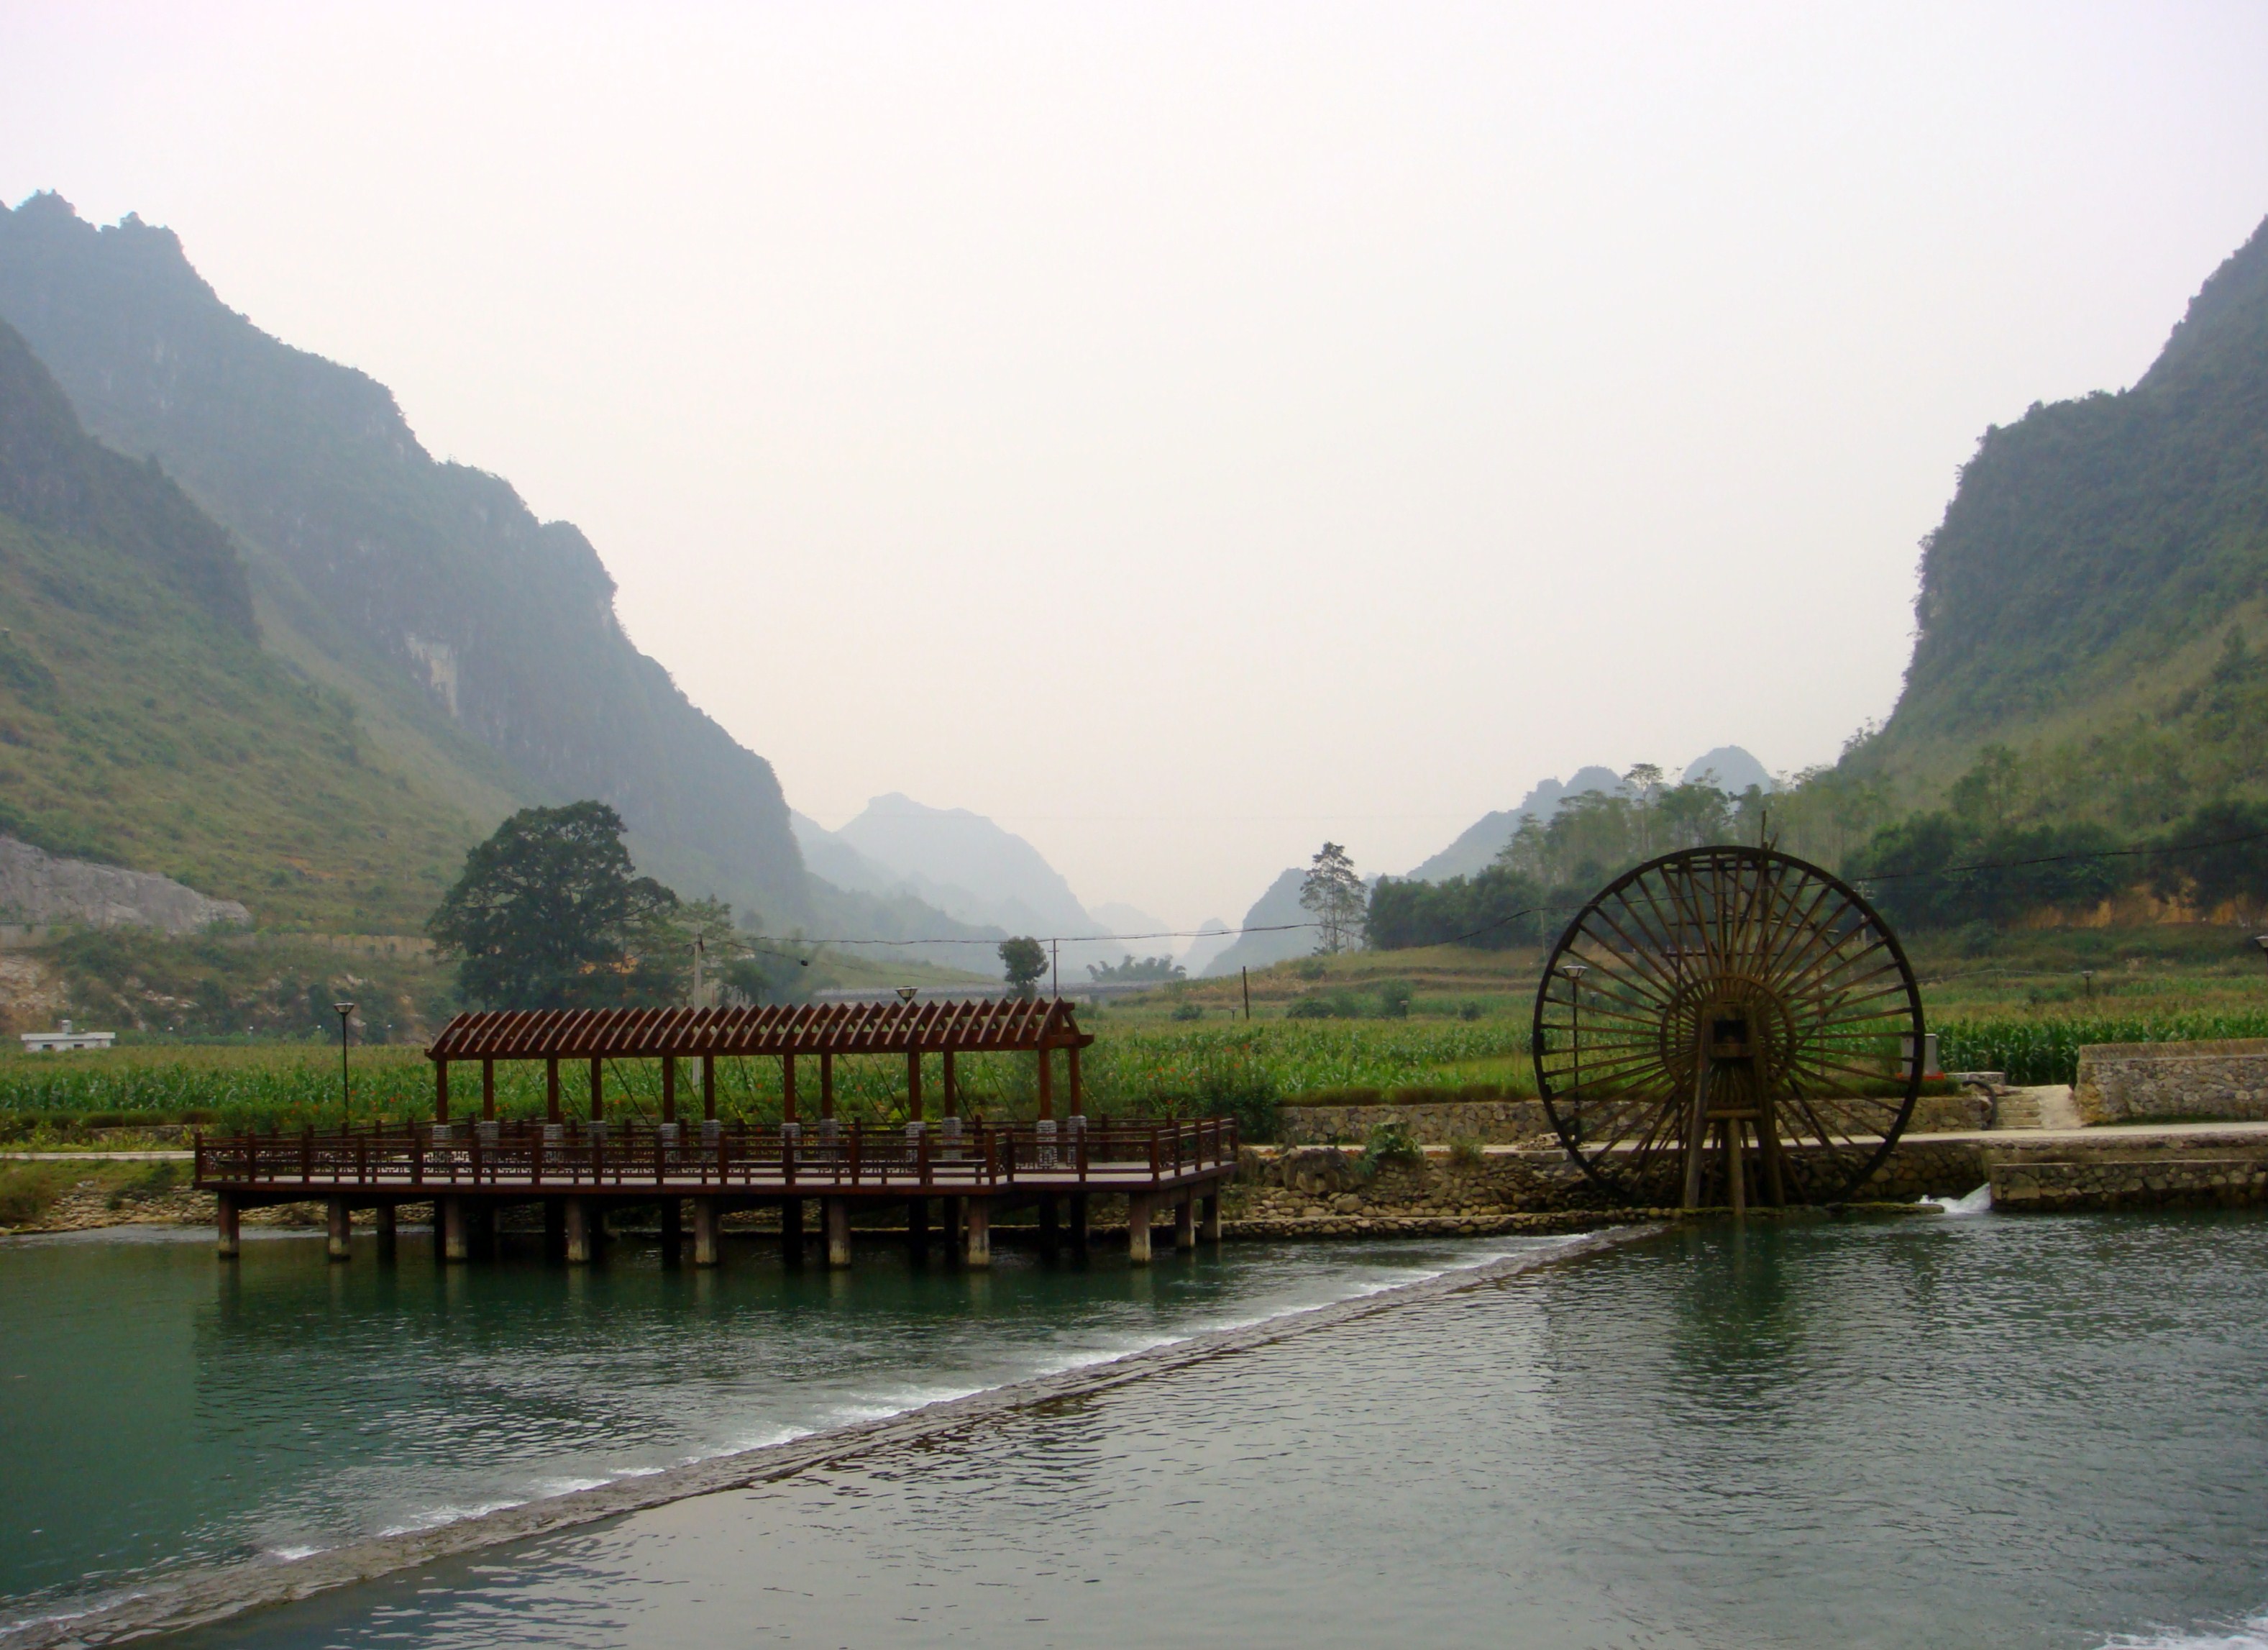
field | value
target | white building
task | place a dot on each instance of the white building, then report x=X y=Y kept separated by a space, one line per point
x=58 y=1042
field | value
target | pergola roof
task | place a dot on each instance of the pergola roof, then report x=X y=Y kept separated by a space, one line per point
x=983 y=1025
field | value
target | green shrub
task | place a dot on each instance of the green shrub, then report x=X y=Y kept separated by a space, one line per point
x=1187 y=1011
x=1394 y=999
x=1466 y=1154
x=1390 y=1147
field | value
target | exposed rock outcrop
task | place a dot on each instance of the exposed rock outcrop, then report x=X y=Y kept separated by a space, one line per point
x=40 y=890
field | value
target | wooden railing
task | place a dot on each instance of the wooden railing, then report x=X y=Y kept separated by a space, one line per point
x=538 y=1158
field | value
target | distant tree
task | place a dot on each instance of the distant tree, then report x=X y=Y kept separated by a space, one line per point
x=1023 y=959
x=548 y=915
x=1335 y=895
x=1128 y=971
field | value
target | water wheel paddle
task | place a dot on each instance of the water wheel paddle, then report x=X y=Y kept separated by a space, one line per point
x=1727 y=1025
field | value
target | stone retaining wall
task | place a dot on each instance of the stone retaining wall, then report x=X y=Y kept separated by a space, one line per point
x=2145 y=1082
x=2202 y=1170
x=1525 y=1121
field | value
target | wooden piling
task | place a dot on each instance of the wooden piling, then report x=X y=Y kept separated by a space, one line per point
x=1185 y=1225
x=227 y=1243
x=707 y=1217
x=673 y=1231
x=451 y=1213
x=918 y=1226
x=580 y=1220
x=341 y=1224
x=1082 y=1225
x=1212 y=1216
x=1138 y=1227
x=792 y=1231
x=838 y=1231
x=1051 y=1229
x=977 y=1252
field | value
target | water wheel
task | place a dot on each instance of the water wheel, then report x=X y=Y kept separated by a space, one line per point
x=1723 y=1025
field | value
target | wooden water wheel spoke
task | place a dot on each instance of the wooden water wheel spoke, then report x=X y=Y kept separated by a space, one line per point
x=1730 y=1024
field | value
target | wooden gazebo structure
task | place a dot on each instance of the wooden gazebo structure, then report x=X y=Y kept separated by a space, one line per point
x=576 y=1168
x=810 y=1032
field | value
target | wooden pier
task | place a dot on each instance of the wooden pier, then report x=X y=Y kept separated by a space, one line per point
x=968 y=1171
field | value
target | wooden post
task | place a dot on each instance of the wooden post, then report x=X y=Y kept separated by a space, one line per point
x=669 y=1088
x=1077 y=1099
x=453 y=1244
x=673 y=1231
x=389 y=1226
x=440 y=1091
x=918 y=1225
x=787 y=1090
x=1082 y=1230
x=707 y=1218
x=598 y=1101
x=226 y=1242
x=708 y=1088
x=913 y=1085
x=342 y=1228
x=1046 y=1083
x=1138 y=1227
x=1245 y=975
x=1051 y=1229
x=956 y=1226
x=838 y=1231
x=978 y=1255
x=792 y=1231
x=1212 y=1215
x=488 y=1090
x=1185 y=1225
x=552 y=1089
x=952 y=1095
x=578 y=1231
x=555 y=1227
x=825 y=1084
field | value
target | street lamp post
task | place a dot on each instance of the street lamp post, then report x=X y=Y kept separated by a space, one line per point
x=346 y=1093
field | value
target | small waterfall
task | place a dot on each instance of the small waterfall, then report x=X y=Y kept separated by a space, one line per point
x=1977 y=1201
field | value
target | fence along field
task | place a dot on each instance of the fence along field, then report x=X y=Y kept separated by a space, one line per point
x=1246 y=1071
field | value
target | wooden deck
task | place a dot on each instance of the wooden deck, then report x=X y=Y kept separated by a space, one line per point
x=578 y=1171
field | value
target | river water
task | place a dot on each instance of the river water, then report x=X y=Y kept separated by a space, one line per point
x=1921 y=1432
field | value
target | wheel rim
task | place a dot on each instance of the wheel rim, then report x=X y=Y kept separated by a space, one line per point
x=1722 y=983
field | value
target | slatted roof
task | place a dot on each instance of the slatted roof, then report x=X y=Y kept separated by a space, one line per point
x=981 y=1026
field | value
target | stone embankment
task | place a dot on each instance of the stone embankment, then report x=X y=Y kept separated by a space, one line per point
x=2224 y=1081
x=1510 y=1122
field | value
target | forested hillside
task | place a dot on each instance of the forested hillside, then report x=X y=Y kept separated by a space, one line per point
x=479 y=644
x=2090 y=597
x=142 y=723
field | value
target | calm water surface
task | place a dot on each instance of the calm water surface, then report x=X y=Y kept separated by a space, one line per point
x=1980 y=1431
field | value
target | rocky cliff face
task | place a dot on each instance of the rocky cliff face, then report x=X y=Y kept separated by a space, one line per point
x=42 y=890
x=431 y=584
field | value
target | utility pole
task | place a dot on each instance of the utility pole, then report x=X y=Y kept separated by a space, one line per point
x=1055 y=969
x=1246 y=974
x=700 y=948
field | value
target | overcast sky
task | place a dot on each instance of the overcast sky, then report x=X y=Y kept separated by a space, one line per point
x=1187 y=432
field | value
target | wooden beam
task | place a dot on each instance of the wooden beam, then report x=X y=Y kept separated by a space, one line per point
x=787 y=1088
x=488 y=1090
x=440 y=1091
x=913 y=1085
x=669 y=1088
x=1077 y=1097
x=552 y=1089
x=826 y=1083
x=708 y=1088
x=597 y=1110
x=1047 y=1084
x=952 y=1094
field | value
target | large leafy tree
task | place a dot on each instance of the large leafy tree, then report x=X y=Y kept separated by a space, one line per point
x=1022 y=961
x=548 y=915
x=1335 y=892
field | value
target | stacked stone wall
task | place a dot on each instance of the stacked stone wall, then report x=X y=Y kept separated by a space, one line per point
x=2152 y=1082
x=1526 y=1122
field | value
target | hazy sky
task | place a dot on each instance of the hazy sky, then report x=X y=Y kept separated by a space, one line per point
x=1186 y=432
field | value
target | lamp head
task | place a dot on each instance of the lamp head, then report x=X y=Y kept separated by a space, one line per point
x=342 y=1009
x=907 y=993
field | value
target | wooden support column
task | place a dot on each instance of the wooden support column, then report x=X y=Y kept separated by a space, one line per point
x=825 y=1084
x=1077 y=1097
x=552 y=1089
x=555 y=1227
x=838 y=1231
x=579 y=1221
x=977 y=1256
x=440 y=1091
x=952 y=1094
x=708 y=1218
x=708 y=1088
x=341 y=1223
x=1051 y=1229
x=787 y=1091
x=226 y=1243
x=388 y=1227
x=918 y=1225
x=1046 y=1083
x=1082 y=1229
x=792 y=1231
x=673 y=1231
x=487 y=1091
x=1213 y=1214
x=913 y=1085
x=1185 y=1225
x=956 y=1226
x=669 y=1088
x=597 y=1091
x=1138 y=1227
x=453 y=1244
